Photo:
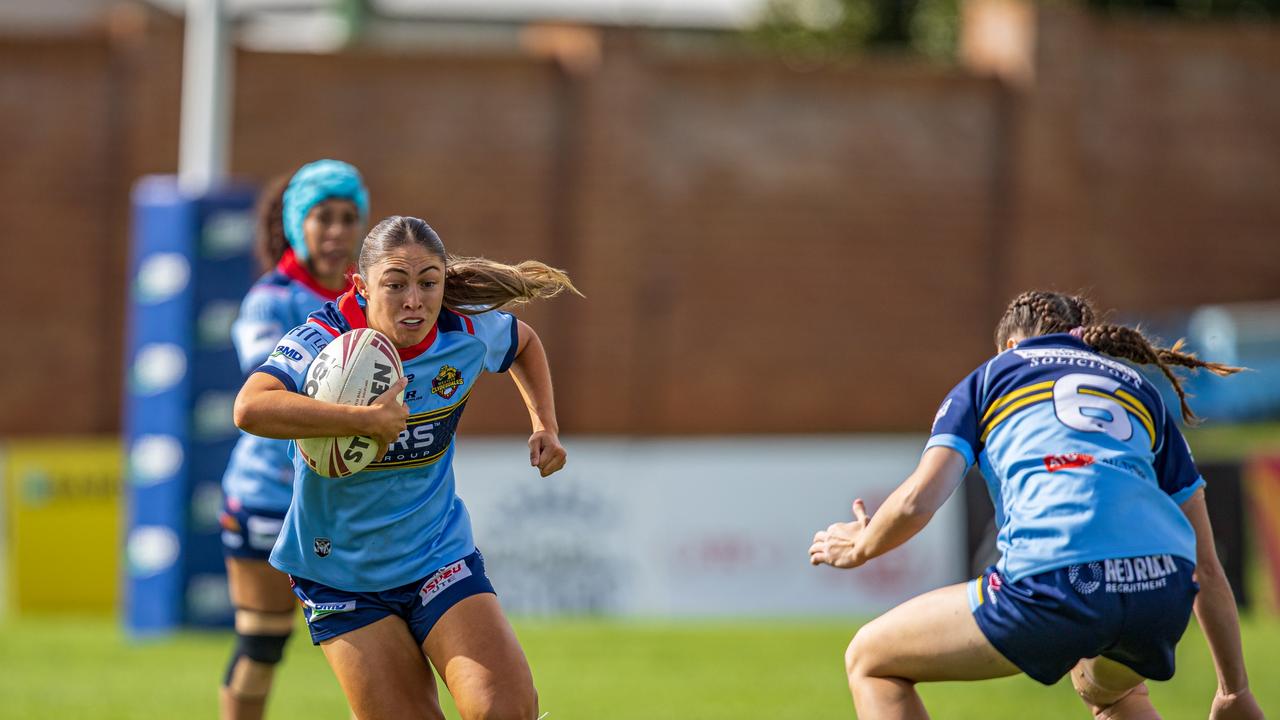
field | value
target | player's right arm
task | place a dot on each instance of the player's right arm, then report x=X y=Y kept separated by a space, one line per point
x=265 y=407
x=1215 y=609
x=269 y=404
x=1215 y=605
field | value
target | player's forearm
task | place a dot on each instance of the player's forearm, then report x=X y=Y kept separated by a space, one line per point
x=1215 y=608
x=532 y=375
x=287 y=416
x=912 y=505
x=897 y=521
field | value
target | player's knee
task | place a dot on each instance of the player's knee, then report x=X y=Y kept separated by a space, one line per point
x=253 y=664
x=859 y=656
x=1099 y=699
x=508 y=705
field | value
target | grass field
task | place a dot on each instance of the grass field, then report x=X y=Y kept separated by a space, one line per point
x=585 y=670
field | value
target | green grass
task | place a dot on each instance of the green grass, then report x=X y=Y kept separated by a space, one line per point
x=585 y=670
x=1213 y=441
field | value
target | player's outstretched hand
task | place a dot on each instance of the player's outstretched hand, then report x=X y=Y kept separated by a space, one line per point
x=837 y=545
x=1235 y=706
x=387 y=416
x=545 y=452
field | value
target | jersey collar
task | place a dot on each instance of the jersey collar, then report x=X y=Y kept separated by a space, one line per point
x=1056 y=339
x=352 y=304
x=294 y=270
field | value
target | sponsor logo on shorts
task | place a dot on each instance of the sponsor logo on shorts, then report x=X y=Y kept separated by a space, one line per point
x=229 y=522
x=1054 y=463
x=263 y=531
x=994 y=583
x=1139 y=574
x=443 y=578
x=322 y=610
x=322 y=546
x=1086 y=579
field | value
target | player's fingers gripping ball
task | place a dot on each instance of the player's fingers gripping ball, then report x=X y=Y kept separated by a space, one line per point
x=359 y=367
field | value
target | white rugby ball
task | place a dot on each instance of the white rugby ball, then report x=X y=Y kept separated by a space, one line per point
x=354 y=369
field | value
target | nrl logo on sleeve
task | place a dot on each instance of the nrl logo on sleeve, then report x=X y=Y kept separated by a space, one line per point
x=942 y=412
x=447 y=382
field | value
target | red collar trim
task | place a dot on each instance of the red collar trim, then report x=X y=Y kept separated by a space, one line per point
x=295 y=270
x=351 y=309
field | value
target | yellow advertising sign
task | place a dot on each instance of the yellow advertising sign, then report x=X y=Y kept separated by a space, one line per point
x=62 y=497
x=1263 y=478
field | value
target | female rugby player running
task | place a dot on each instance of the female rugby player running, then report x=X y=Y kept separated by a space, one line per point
x=308 y=231
x=384 y=561
x=1101 y=518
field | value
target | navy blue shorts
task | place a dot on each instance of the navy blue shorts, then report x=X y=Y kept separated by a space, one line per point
x=330 y=612
x=248 y=533
x=1130 y=610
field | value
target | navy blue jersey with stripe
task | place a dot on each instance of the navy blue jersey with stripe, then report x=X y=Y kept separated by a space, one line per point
x=399 y=519
x=1082 y=459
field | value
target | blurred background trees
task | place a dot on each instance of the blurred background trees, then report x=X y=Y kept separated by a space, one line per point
x=825 y=28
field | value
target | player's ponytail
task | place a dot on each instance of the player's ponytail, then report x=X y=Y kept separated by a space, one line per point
x=1129 y=343
x=269 y=240
x=1040 y=313
x=472 y=285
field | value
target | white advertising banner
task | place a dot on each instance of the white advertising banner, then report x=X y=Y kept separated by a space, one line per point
x=705 y=527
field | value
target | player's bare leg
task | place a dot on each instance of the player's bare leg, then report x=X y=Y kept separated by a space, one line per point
x=265 y=613
x=476 y=652
x=930 y=637
x=382 y=672
x=1112 y=691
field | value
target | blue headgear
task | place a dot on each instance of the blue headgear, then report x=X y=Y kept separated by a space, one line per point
x=315 y=183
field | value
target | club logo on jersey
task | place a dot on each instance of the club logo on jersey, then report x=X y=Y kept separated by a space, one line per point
x=447 y=382
x=322 y=546
x=1054 y=463
x=1076 y=576
x=443 y=578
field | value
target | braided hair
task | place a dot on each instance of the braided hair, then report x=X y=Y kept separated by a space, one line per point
x=1039 y=312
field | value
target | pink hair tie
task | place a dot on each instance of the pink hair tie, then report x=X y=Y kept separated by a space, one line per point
x=1077 y=332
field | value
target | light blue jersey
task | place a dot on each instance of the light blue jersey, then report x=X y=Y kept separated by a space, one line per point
x=260 y=473
x=400 y=519
x=1081 y=457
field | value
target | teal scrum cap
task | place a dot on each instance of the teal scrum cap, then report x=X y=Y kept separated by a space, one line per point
x=315 y=183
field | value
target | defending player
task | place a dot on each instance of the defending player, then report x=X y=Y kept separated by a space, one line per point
x=1101 y=518
x=308 y=230
x=384 y=561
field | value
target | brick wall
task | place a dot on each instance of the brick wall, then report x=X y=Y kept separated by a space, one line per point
x=763 y=250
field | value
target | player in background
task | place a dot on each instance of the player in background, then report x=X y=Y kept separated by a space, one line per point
x=308 y=233
x=384 y=560
x=1101 y=524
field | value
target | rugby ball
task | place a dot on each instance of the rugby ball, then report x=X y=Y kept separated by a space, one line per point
x=354 y=369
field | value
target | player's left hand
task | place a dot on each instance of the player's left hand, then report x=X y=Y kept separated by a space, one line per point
x=837 y=545
x=545 y=452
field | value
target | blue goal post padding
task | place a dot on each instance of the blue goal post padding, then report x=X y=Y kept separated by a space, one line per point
x=191 y=263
